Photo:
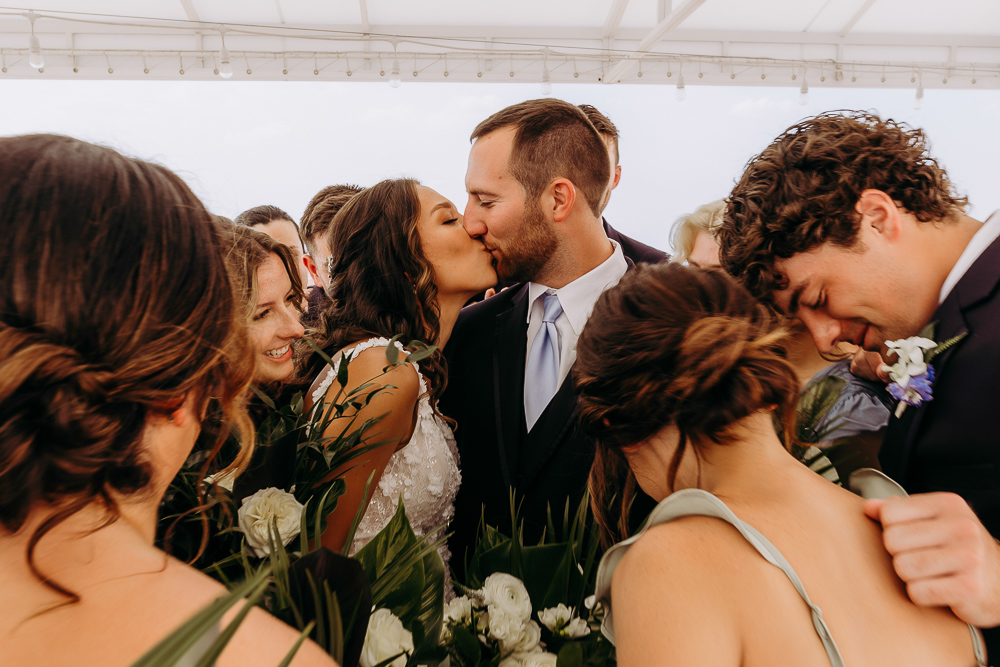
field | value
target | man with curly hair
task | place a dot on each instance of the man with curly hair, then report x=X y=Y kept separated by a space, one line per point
x=846 y=222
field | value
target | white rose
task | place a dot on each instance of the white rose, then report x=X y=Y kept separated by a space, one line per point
x=556 y=617
x=506 y=592
x=263 y=508
x=577 y=628
x=505 y=629
x=539 y=660
x=386 y=637
x=458 y=610
x=530 y=638
x=224 y=479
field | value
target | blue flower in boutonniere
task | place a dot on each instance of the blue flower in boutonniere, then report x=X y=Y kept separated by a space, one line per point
x=912 y=375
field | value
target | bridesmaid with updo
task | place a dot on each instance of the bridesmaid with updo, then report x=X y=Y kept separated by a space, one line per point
x=118 y=334
x=749 y=558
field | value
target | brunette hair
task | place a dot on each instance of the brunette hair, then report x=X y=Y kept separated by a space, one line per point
x=115 y=305
x=381 y=283
x=265 y=214
x=603 y=125
x=672 y=345
x=553 y=139
x=706 y=218
x=801 y=192
x=247 y=250
x=321 y=209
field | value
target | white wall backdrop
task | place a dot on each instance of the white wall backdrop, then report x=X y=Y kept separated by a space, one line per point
x=240 y=144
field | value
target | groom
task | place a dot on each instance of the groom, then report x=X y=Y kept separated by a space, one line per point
x=846 y=223
x=537 y=180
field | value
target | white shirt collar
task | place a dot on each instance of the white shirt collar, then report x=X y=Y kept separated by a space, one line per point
x=982 y=239
x=578 y=297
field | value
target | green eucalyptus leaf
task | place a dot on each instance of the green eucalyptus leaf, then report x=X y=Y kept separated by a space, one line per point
x=570 y=655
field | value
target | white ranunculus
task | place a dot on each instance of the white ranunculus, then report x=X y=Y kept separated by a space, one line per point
x=577 y=628
x=225 y=479
x=458 y=610
x=386 y=637
x=555 y=617
x=531 y=637
x=539 y=660
x=507 y=593
x=259 y=511
x=505 y=629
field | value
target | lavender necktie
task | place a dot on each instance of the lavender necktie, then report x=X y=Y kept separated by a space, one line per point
x=541 y=377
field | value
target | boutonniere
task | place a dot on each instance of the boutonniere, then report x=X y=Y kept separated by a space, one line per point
x=912 y=375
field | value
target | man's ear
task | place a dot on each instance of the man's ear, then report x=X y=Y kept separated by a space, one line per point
x=880 y=212
x=311 y=267
x=618 y=176
x=563 y=194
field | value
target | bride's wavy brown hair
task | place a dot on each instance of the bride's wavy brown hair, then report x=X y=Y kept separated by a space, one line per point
x=115 y=305
x=672 y=345
x=381 y=283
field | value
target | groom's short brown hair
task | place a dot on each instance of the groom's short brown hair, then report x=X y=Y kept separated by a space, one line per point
x=553 y=139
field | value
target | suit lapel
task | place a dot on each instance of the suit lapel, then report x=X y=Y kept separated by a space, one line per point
x=977 y=284
x=508 y=381
x=553 y=424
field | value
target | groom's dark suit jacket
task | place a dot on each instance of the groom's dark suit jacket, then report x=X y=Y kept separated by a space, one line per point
x=486 y=357
x=952 y=443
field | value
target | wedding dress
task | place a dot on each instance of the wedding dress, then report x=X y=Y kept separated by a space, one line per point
x=424 y=472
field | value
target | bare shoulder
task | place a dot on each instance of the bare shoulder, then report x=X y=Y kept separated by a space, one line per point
x=260 y=640
x=264 y=640
x=373 y=366
x=673 y=597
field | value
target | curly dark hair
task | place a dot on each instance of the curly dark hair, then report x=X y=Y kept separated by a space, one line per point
x=801 y=191
x=381 y=282
x=672 y=345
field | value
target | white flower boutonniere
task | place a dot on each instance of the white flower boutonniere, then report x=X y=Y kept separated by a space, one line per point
x=912 y=375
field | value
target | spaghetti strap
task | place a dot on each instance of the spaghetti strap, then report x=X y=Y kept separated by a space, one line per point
x=866 y=483
x=695 y=502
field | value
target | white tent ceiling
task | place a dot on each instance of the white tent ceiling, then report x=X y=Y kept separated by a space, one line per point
x=872 y=43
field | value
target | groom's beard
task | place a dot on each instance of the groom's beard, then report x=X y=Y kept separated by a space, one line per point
x=524 y=259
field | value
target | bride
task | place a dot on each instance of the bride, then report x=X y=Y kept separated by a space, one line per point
x=402 y=265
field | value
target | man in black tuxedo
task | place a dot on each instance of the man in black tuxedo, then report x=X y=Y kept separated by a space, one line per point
x=537 y=180
x=847 y=223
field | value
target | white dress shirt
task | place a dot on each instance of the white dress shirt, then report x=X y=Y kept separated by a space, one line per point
x=577 y=300
x=982 y=239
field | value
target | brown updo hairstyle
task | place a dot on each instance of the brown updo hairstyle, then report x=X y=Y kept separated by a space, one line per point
x=381 y=283
x=672 y=345
x=115 y=305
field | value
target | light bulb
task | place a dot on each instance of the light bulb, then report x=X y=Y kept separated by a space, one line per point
x=918 y=103
x=394 y=79
x=804 y=93
x=35 y=58
x=546 y=81
x=681 y=91
x=225 y=68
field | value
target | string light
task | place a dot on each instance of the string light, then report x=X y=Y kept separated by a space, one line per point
x=681 y=92
x=918 y=102
x=546 y=78
x=35 y=57
x=804 y=90
x=225 y=66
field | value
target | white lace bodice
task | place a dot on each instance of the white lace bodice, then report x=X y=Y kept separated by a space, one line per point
x=424 y=472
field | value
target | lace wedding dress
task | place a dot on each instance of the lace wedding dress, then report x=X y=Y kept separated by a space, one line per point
x=424 y=472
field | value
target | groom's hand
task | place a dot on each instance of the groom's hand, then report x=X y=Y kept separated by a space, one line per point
x=942 y=553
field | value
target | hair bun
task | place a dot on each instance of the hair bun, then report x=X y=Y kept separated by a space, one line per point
x=63 y=432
